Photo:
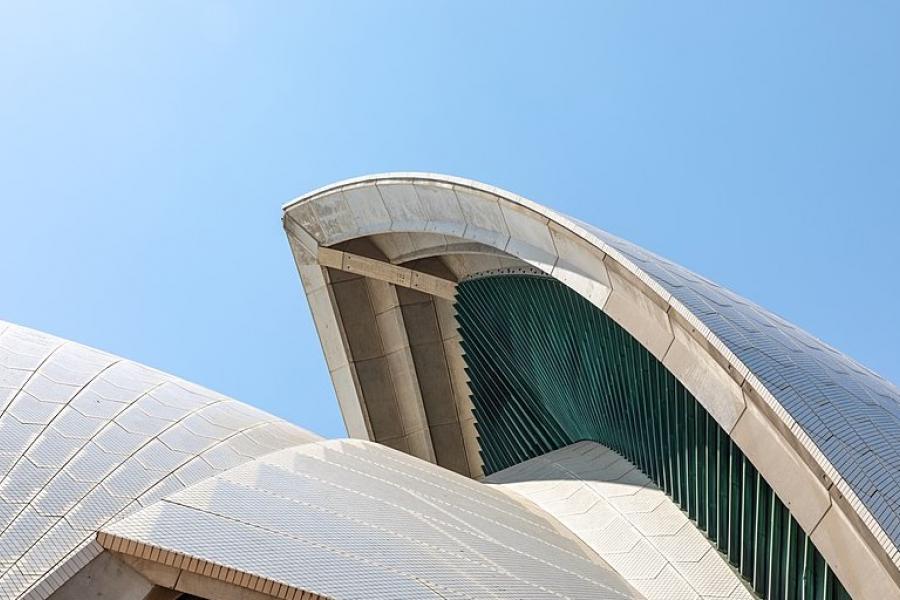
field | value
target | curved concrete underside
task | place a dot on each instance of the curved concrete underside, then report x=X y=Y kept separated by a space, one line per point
x=87 y=438
x=628 y=521
x=818 y=426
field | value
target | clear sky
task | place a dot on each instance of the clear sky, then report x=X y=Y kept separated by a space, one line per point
x=146 y=149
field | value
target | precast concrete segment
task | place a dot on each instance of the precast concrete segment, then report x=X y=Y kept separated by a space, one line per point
x=87 y=437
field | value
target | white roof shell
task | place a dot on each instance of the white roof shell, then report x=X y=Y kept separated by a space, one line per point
x=627 y=520
x=87 y=438
x=821 y=428
x=355 y=520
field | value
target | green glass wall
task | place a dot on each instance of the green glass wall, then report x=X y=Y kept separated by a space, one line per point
x=548 y=369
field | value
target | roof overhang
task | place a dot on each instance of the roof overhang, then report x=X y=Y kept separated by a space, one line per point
x=422 y=214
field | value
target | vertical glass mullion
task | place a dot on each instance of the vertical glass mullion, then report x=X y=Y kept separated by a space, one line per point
x=790 y=560
x=668 y=442
x=735 y=496
x=724 y=486
x=748 y=513
x=702 y=457
x=763 y=526
x=776 y=554
x=690 y=456
x=712 y=440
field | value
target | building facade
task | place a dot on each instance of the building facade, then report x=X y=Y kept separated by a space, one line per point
x=537 y=409
x=478 y=330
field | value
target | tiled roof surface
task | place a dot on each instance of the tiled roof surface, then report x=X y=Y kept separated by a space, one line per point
x=353 y=519
x=627 y=520
x=849 y=412
x=86 y=438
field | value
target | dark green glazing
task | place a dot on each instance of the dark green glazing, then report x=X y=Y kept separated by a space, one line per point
x=548 y=369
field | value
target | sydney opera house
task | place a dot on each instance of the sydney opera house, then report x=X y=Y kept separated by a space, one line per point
x=535 y=409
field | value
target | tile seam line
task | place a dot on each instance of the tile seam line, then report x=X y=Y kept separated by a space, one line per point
x=406 y=488
x=269 y=531
x=31 y=376
x=433 y=523
x=440 y=475
x=417 y=514
x=114 y=470
x=47 y=426
x=60 y=470
x=687 y=522
x=200 y=456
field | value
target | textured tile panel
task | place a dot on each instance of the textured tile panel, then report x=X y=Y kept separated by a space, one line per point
x=630 y=523
x=352 y=519
x=851 y=414
x=86 y=438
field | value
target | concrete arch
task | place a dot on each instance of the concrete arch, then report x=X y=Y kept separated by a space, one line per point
x=475 y=227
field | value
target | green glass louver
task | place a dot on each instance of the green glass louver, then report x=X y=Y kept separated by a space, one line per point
x=547 y=369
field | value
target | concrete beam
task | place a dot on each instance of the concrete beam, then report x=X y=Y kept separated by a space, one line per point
x=383 y=271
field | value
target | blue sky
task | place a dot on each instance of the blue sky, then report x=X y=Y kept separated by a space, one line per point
x=146 y=149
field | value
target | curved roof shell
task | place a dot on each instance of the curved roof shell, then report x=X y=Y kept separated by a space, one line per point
x=350 y=519
x=627 y=520
x=820 y=427
x=87 y=438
